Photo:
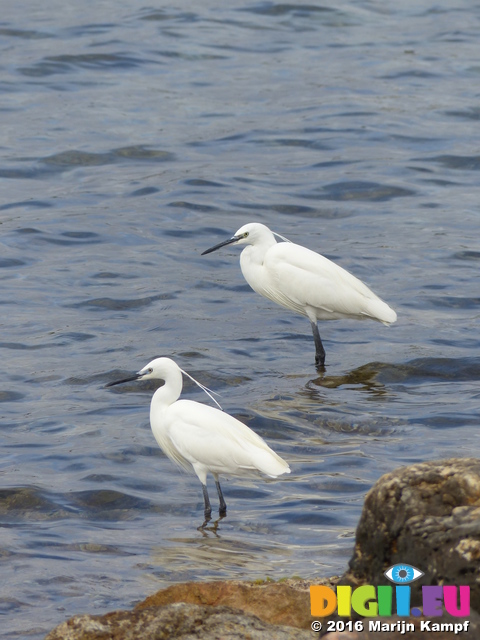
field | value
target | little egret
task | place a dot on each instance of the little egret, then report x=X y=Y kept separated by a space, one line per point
x=196 y=435
x=304 y=281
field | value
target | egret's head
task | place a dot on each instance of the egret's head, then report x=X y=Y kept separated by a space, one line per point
x=162 y=368
x=158 y=369
x=251 y=233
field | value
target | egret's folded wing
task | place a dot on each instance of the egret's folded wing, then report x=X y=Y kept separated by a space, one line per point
x=306 y=278
x=220 y=442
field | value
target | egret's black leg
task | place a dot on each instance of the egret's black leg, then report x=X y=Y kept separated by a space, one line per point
x=223 y=505
x=208 y=506
x=319 y=350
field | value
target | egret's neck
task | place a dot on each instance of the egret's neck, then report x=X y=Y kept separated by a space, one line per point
x=169 y=393
x=255 y=253
x=251 y=264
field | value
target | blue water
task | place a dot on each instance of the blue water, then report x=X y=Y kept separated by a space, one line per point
x=133 y=138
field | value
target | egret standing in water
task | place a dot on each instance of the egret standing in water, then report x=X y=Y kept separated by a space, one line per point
x=195 y=435
x=304 y=281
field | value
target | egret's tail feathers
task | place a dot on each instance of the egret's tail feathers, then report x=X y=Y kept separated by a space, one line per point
x=392 y=317
x=379 y=310
x=271 y=464
x=388 y=315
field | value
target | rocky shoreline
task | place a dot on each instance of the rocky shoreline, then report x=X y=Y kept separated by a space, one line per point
x=426 y=515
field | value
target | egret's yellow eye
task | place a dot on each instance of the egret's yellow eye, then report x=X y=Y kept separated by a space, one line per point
x=245 y=235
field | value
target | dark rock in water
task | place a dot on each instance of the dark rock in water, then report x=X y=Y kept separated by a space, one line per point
x=426 y=515
x=178 y=620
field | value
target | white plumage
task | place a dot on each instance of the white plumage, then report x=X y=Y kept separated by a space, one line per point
x=304 y=281
x=195 y=435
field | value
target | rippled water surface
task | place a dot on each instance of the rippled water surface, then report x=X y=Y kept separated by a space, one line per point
x=134 y=136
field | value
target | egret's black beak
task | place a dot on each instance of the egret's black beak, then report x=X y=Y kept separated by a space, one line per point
x=137 y=376
x=222 y=244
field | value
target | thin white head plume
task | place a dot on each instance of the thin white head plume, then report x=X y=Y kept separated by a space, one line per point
x=208 y=391
x=282 y=237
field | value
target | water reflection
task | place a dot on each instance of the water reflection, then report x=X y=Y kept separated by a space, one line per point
x=220 y=550
x=380 y=378
x=207 y=528
x=364 y=377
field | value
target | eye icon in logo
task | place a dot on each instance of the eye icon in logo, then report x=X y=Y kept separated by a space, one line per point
x=403 y=573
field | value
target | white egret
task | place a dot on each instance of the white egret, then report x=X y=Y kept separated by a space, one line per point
x=195 y=435
x=304 y=281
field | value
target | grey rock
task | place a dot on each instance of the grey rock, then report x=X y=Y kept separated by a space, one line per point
x=426 y=515
x=179 y=620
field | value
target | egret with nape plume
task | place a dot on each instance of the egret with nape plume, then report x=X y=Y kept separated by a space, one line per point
x=198 y=436
x=304 y=281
